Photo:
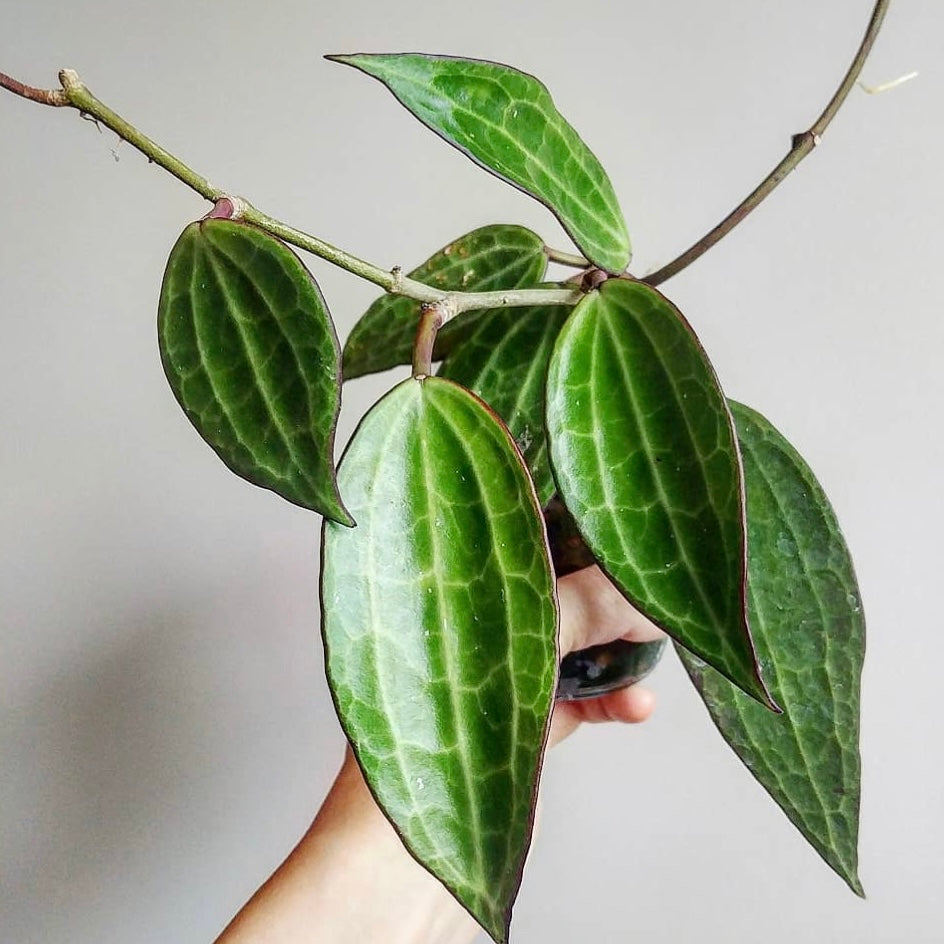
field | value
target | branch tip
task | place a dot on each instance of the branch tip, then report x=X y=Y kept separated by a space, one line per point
x=54 y=97
x=800 y=146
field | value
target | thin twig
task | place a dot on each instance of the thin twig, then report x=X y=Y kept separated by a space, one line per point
x=75 y=94
x=55 y=97
x=801 y=145
x=566 y=258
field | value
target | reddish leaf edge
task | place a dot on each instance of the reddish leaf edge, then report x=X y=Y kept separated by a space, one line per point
x=342 y=59
x=763 y=696
x=851 y=880
x=542 y=752
x=347 y=521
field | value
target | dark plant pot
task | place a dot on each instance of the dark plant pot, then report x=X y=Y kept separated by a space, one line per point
x=601 y=669
x=592 y=672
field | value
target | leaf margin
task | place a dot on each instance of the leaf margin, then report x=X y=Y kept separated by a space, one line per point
x=334 y=507
x=847 y=870
x=762 y=694
x=541 y=753
x=355 y=60
x=534 y=266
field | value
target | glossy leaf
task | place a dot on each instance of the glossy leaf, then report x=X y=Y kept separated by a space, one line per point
x=440 y=625
x=506 y=121
x=250 y=352
x=644 y=455
x=491 y=258
x=504 y=360
x=810 y=636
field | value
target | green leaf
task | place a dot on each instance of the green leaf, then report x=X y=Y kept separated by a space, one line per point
x=440 y=625
x=250 y=352
x=506 y=121
x=491 y=258
x=504 y=360
x=644 y=454
x=810 y=636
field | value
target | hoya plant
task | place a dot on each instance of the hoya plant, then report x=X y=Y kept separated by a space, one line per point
x=547 y=424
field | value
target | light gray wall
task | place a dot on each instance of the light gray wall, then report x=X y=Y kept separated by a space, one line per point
x=167 y=734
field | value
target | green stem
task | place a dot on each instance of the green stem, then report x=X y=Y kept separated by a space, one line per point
x=801 y=145
x=566 y=258
x=74 y=94
x=79 y=97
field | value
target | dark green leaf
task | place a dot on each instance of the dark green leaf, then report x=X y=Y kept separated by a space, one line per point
x=440 y=623
x=506 y=121
x=810 y=636
x=644 y=455
x=251 y=355
x=504 y=360
x=499 y=256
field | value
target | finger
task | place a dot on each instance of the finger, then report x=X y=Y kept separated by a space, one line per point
x=594 y=612
x=628 y=705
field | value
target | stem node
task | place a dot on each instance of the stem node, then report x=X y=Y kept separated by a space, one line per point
x=70 y=81
x=227 y=208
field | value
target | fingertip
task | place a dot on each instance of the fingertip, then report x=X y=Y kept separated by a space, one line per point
x=640 y=703
x=628 y=705
x=631 y=705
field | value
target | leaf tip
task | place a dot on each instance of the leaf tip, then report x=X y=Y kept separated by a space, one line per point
x=346 y=59
x=761 y=693
x=498 y=930
x=851 y=878
x=351 y=362
x=342 y=516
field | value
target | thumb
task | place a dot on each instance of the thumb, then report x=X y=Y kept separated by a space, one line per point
x=594 y=612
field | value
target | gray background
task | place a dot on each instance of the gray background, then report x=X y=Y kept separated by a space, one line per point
x=167 y=733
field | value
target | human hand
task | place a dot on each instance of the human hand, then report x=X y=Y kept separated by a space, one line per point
x=593 y=613
x=317 y=894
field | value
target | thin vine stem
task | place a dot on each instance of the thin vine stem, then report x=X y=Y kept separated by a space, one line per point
x=75 y=94
x=801 y=145
x=54 y=97
x=566 y=258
